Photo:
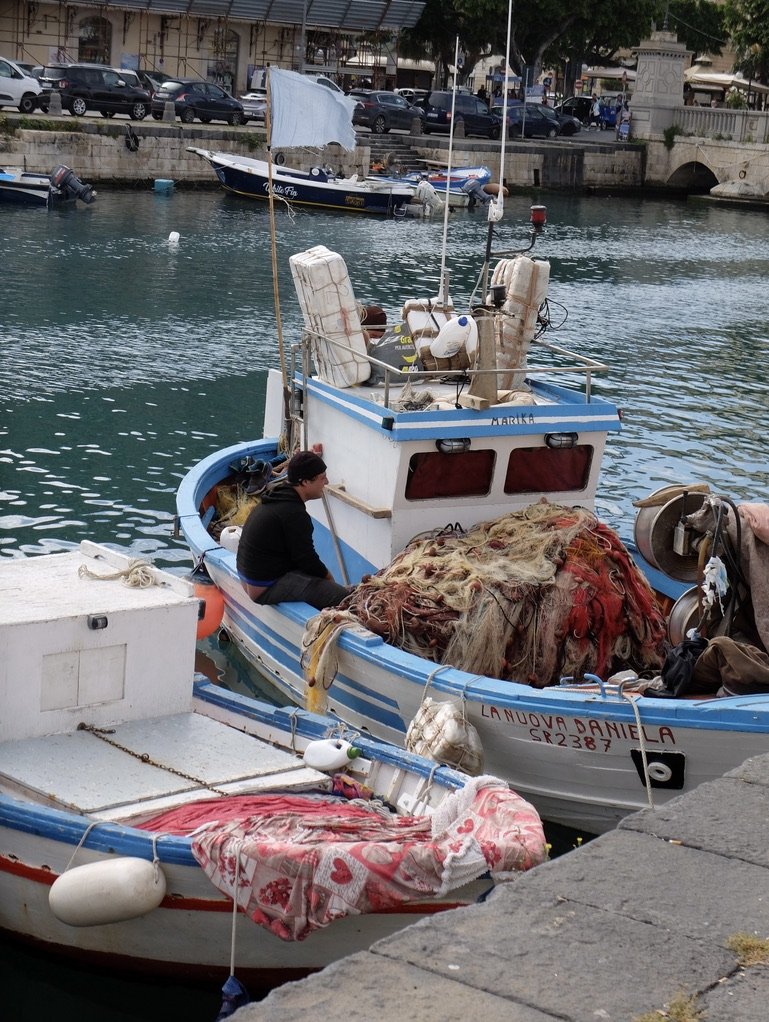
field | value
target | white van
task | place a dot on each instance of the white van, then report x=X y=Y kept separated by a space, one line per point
x=17 y=88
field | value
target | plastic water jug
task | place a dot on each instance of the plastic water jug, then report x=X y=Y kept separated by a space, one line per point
x=457 y=333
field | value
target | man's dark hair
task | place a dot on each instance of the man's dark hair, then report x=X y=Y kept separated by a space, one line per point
x=303 y=466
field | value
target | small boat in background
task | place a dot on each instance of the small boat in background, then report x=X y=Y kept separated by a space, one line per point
x=133 y=803
x=23 y=187
x=242 y=175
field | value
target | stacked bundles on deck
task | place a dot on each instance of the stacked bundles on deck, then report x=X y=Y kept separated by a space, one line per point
x=533 y=596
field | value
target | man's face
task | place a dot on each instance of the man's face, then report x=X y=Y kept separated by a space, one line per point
x=313 y=488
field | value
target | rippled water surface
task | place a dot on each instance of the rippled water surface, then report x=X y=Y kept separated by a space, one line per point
x=125 y=361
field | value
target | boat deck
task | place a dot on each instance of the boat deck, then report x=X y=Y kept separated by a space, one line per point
x=146 y=766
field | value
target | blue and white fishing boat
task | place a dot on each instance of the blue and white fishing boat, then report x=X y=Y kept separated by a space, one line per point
x=497 y=420
x=133 y=804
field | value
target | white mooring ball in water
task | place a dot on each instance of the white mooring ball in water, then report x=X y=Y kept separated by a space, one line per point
x=173 y=239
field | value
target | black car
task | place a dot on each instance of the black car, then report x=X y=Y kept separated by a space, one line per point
x=469 y=111
x=567 y=124
x=576 y=106
x=529 y=123
x=84 y=87
x=381 y=111
x=195 y=98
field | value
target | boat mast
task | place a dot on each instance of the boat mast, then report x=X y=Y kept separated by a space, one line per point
x=444 y=272
x=497 y=204
x=274 y=256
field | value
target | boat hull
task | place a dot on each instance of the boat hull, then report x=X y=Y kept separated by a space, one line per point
x=25 y=189
x=576 y=754
x=251 y=179
x=189 y=935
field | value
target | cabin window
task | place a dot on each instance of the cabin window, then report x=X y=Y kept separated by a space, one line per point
x=462 y=474
x=548 y=470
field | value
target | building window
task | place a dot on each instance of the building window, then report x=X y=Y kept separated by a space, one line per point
x=95 y=41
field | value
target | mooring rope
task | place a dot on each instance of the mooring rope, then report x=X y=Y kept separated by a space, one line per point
x=138 y=574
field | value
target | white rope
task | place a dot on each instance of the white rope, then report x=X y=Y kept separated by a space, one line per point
x=138 y=575
x=80 y=843
x=633 y=700
x=235 y=907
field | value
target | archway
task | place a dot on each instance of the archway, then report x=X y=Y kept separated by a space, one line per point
x=693 y=177
x=94 y=45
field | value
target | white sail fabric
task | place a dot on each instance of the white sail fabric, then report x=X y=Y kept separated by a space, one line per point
x=304 y=113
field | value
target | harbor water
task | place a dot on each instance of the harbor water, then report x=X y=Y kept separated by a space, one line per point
x=127 y=358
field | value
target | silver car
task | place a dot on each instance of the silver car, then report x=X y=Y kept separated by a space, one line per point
x=254 y=104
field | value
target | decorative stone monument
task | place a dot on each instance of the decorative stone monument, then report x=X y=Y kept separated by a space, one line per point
x=659 y=83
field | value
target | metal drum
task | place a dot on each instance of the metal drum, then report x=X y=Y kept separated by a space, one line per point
x=655 y=527
x=684 y=615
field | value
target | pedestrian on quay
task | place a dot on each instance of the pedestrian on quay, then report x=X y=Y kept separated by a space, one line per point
x=277 y=561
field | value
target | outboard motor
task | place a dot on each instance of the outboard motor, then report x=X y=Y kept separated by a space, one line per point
x=474 y=189
x=68 y=186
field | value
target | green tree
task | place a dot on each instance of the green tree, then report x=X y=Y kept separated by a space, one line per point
x=747 y=22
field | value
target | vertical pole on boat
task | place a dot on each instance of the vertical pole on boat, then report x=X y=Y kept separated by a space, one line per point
x=444 y=274
x=497 y=204
x=274 y=255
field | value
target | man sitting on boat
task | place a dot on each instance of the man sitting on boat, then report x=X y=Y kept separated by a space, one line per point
x=277 y=560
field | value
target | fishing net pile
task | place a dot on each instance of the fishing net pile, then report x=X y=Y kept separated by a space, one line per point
x=535 y=595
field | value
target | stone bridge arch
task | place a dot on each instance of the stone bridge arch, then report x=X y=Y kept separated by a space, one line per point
x=693 y=176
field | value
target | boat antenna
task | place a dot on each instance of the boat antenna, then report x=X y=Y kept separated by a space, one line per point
x=444 y=272
x=274 y=255
x=497 y=204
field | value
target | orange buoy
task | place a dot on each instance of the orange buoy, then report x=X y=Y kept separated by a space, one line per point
x=211 y=605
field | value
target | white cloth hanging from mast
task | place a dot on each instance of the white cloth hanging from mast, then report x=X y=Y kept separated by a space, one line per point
x=304 y=113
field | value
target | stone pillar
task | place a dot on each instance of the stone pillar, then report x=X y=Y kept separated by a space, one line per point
x=659 y=84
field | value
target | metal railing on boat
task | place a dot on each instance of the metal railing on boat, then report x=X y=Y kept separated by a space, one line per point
x=584 y=366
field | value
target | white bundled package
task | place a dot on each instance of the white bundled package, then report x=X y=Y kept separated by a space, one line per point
x=331 y=315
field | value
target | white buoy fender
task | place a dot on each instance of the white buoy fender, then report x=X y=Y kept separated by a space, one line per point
x=457 y=333
x=107 y=892
x=329 y=754
x=230 y=538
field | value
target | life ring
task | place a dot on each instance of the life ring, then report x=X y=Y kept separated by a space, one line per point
x=131 y=139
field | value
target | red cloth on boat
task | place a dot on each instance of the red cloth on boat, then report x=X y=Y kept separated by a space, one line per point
x=308 y=860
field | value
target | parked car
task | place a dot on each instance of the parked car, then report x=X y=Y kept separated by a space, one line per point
x=140 y=79
x=18 y=87
x=567 y=124
x=579 y=107
x=412 y=95
x=531 y=123
x=382 y=111
x=470 y=111
x=254 y=104
x=576 y=106
x=85 y=87
x=328 y=82
x=195 y=98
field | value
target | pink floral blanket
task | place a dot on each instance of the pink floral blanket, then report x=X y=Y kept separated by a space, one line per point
x=302 y=861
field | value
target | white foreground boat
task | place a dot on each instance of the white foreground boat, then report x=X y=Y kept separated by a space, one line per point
x=424 y=458
x=112 y=768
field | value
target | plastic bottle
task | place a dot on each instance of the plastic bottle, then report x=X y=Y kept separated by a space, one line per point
x=329 y=753
x=457 y=333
